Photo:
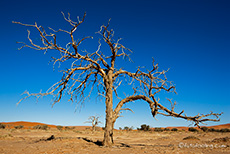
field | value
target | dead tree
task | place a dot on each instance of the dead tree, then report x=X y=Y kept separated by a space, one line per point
x=94 y=120
x=96 y=71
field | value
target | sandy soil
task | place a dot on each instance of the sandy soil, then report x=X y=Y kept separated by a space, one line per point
x=14 y=141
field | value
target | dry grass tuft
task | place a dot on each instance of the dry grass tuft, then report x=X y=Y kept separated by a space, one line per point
x=191 y=138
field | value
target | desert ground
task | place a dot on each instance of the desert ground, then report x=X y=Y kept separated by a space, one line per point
x=71 y=141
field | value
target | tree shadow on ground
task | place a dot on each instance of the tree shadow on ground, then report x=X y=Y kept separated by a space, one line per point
x=99 y=143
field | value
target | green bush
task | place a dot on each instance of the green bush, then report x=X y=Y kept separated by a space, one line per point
x=166 y=129
x=2 y=126
x=19 y=127
x=144 y=127
x=212 y=130
x=67 y=128
x=191 y=129
x=158 y=129
x=43 y=127
x=224 y=130
x=174 y=129
x=128 y=128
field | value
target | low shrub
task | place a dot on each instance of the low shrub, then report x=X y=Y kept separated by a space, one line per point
x=128 y=128
x=69 y=128
x=191 y=129
x=205 y=129
x=144 y=127
x=166 y=129
x=2 y=126
x=59 y=127
x=158 y=129
x=191 y=138
x=224 y=130
x=43 y=127
x=224 y=139
x=19 y=127
x=211 y=130
x=174 y=129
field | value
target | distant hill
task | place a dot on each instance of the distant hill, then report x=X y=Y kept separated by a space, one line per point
x=26 y=125
x=30 y=125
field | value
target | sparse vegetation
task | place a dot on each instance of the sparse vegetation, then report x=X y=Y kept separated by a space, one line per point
x=191 y=129
x=166 y=129
x=224 y=130
x=59 y=127
x=2 y=126
x=174 y=129
x=128 y=128
x=144 y=127
x=19 y=127
x=191 y=138
x=204 y=129
x=224 y=139
x=42 y=127
x=211 y=130
x=77 y=131
x=158 y=129
x=67 y=128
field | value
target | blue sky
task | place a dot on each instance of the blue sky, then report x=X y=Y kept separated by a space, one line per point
x=190 y=37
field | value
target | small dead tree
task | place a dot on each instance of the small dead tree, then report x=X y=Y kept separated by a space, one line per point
x=94 y=120
x=97 y=70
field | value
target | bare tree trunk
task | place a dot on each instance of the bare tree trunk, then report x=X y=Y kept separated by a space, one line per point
x=108 y=134
x=93 y=127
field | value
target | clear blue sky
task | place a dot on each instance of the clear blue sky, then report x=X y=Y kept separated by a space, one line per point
x=191 y=37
